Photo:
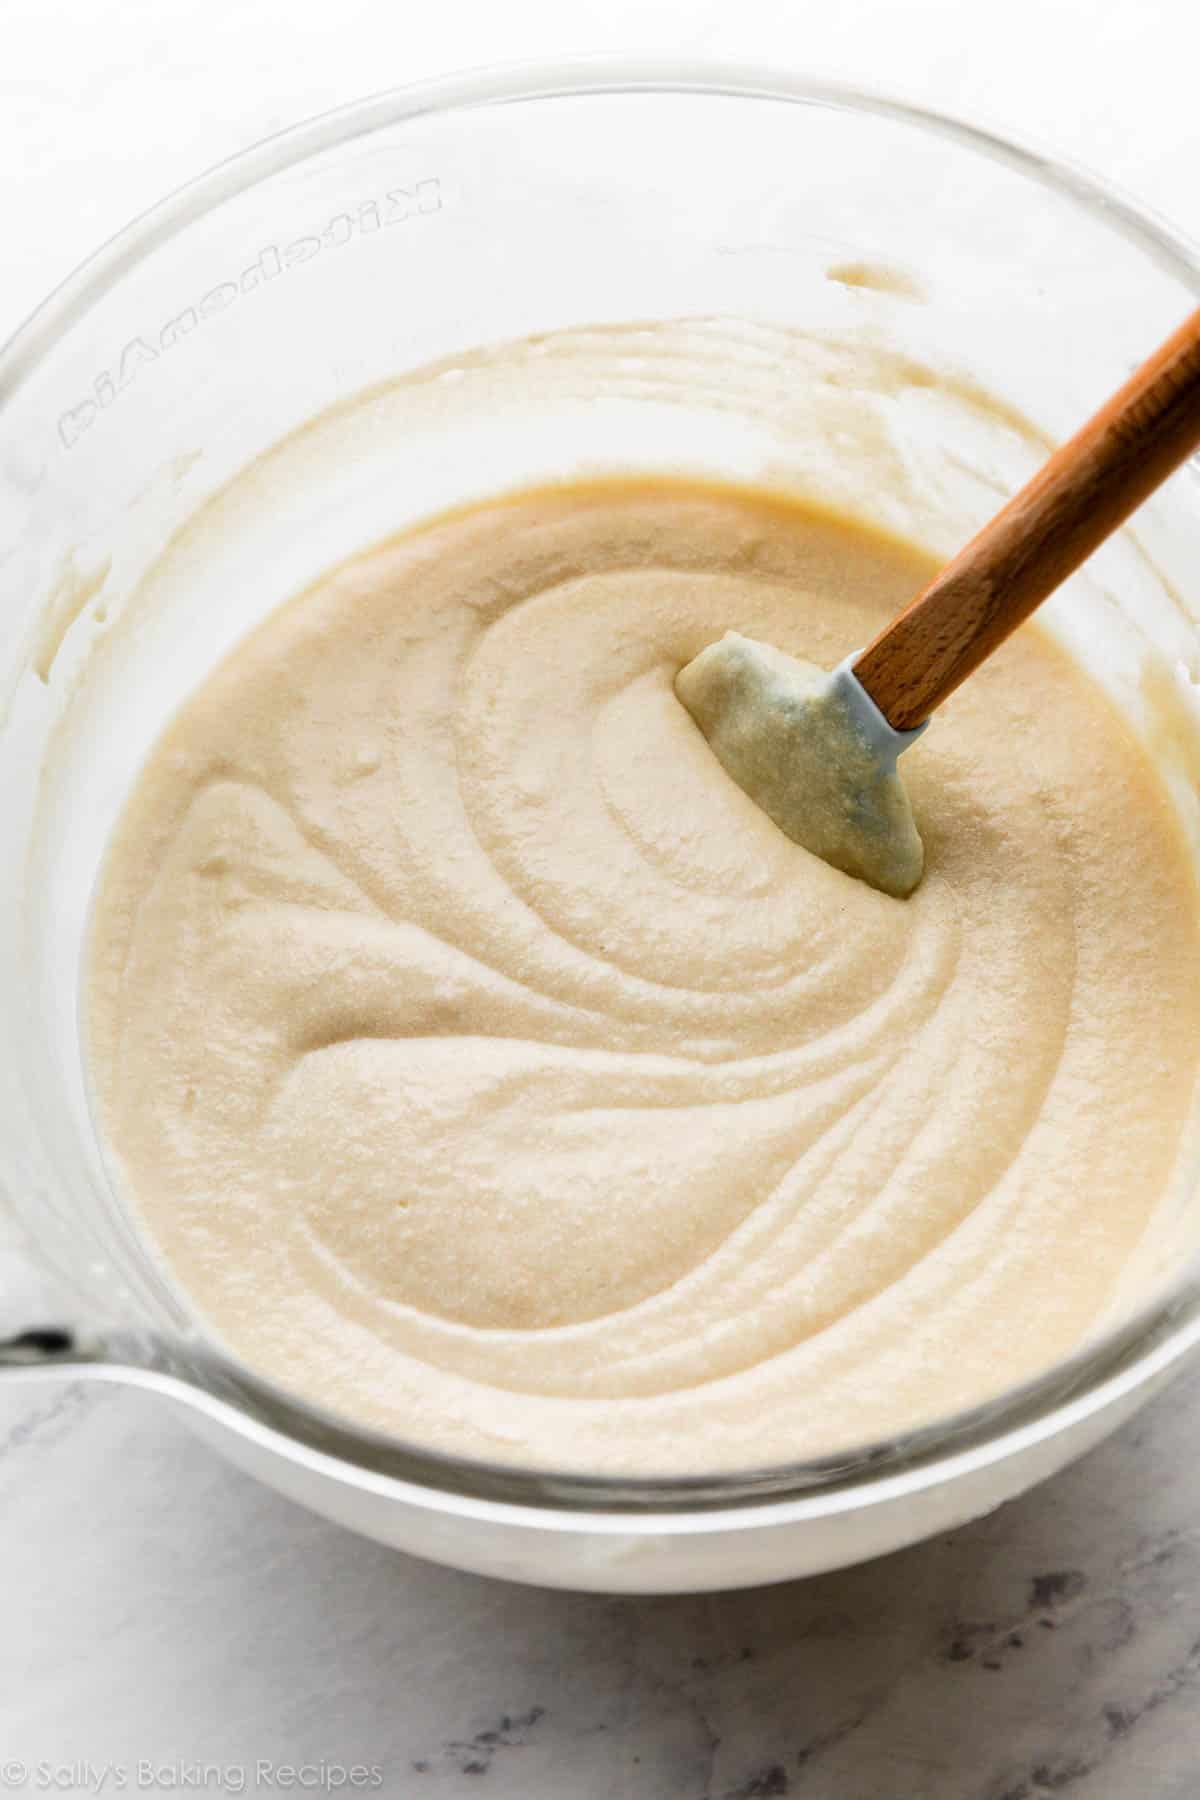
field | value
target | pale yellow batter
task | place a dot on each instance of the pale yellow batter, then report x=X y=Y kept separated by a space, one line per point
x=485 y=1065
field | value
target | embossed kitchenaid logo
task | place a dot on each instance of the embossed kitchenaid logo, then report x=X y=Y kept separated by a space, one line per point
x=396 y=207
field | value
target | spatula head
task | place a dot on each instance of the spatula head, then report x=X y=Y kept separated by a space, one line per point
x=813 y=751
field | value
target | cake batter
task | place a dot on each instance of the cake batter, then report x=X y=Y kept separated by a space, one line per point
x=485 y=1066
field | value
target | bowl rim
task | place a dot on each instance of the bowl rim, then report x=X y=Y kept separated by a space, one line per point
x=568 y=77
x=1098 y=1376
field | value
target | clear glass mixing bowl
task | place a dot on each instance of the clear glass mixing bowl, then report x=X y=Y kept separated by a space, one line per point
x=343 y=259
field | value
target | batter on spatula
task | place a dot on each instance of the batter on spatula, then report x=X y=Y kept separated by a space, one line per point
x=792 y=736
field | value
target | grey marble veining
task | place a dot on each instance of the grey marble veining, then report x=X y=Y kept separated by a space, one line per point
x=169 y=1610
x=157 y=1607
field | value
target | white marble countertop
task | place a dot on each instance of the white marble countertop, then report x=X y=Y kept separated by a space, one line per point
x=160 y=1612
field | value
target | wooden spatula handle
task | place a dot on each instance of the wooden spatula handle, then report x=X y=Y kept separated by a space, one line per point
x=1083 y=493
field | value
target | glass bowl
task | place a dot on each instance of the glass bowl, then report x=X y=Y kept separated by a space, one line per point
x=354 y=271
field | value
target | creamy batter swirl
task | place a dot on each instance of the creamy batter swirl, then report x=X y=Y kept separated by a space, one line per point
x=486 y=1066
